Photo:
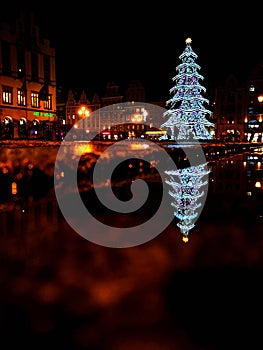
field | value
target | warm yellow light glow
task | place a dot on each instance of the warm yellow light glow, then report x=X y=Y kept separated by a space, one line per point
x=136 y=118
x=258 y=184
x=185 y=239
x=80 y=149
x=245 y=120
x=260 y=98
x=83 y=112
x=156 y=132
x=138 y=146
x=188 y=41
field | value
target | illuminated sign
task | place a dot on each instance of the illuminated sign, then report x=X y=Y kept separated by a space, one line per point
x=41 y=114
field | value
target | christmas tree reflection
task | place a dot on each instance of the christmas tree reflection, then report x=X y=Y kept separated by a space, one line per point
x=187 y=192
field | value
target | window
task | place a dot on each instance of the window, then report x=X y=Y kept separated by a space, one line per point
x=34 y=99
x=21 y=97
x=7 y=95
x=48 y=103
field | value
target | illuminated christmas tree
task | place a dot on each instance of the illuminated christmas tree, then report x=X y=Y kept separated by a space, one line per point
x=187 y=114
x=186 y=191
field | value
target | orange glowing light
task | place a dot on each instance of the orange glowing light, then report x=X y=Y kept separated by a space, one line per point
x=14 y=188
x=185 y=239
x=83 y=112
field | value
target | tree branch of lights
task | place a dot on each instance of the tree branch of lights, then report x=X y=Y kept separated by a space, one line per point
x=186 y=115
x=186 y=192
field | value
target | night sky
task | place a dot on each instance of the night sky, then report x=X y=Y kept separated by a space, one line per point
x=96 y=44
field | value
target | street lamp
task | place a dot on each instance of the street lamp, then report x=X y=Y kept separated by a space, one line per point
x=83 y=112
x=260 y=98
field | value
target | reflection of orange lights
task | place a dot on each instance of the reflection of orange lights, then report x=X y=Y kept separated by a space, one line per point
x=138 y=146
x=83 y=148
x=19 y=176
x=14 y=188
x=152 y=164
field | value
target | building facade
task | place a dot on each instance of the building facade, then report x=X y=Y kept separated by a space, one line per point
x=253 y=126
x=113 y=115
x=27 y=80
x=237 y=108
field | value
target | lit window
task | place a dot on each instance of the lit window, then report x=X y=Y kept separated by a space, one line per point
x=7 y=95
x=21 y=97
x=35 y=99
x=47 y=103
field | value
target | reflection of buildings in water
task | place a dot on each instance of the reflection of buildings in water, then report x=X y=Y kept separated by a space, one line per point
x=227 y=176
x=253 y=163
x=238 y=175
x=242 y=174
x=31 y=216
